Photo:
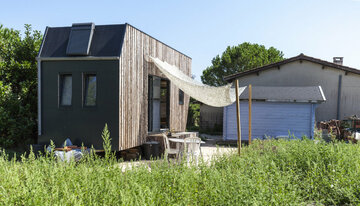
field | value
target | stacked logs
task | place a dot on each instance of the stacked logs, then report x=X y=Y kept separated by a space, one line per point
x=340 y=129
x=332 y=126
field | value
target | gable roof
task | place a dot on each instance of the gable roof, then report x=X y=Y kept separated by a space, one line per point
x=106 y=42
x=312 y=94
x=300 y=57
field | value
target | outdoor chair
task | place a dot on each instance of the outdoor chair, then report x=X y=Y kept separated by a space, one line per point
x=192 y=149
x=168 y=149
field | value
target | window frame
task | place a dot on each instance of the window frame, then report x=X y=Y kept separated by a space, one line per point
x=84 y=92
x=60 y=88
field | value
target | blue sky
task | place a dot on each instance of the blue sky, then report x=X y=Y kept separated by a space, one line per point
x=203 y=29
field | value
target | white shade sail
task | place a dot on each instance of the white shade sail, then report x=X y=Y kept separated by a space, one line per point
x=213 y=96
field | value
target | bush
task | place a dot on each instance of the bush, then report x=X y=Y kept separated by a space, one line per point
x=17 y=123
x=18 y=86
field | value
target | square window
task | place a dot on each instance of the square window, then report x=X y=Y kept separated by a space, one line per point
x=181 y=97
x=90 y=90
x=65 y=90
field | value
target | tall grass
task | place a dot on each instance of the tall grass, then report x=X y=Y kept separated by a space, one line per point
x=269 y=172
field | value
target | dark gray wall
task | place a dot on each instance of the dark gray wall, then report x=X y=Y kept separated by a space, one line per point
x=79 y=123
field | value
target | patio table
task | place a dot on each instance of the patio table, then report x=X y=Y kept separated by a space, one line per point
x=178 y=140
x=180 y=145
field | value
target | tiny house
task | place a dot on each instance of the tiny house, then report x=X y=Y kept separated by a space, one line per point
x=276 y=111
x=91 y=75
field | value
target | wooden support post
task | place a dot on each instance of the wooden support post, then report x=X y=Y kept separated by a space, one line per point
x=250 y=96
x=238 y=115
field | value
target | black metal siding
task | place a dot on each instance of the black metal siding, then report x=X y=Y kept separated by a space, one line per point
x=78 y=123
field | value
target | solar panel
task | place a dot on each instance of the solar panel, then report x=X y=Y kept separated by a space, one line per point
x=80 y=39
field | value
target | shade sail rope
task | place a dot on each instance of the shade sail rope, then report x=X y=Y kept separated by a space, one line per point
x=214 y=96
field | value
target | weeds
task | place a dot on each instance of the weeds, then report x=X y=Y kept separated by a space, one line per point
x=107 y=143
x=277 y=172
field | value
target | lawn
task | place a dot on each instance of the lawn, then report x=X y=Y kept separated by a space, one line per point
x=269 y=172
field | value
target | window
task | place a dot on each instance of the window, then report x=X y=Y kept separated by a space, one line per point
x=80 y=39
x=158 y=103
x=181 y=97
x=65 y=89
x=90 y=90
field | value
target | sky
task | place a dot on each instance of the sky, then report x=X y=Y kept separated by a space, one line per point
x=203 y=29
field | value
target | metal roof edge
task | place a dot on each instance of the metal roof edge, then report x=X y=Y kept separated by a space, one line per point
x=230 y=77
x=42 y=42
x=322 y=93
x=78 y=58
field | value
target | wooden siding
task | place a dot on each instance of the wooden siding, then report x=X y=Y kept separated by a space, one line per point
x=133 y=86
x=270 y=119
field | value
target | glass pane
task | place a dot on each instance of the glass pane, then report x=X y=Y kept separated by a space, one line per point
x=164 y=104
x=90 y=90
x=156 y=82
x=156 y=87
x=156 y=115
x=66 y=90
x=181 y=97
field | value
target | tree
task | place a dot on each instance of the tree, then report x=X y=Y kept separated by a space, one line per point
x=193 y=113
x=193 y=119
x=18 y=85
x=244 y=57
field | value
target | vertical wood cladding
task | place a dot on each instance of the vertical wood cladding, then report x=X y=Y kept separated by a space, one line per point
x=133 y=86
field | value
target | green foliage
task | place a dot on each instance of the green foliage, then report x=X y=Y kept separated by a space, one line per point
x=245 y=56
x=269 y=172
x=193 y=119
x=18 y=86
x=107 y=143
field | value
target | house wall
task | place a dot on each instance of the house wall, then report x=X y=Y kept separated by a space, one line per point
x=133 y=86
x=305 y=73
x=270 y=119
x=80 y=124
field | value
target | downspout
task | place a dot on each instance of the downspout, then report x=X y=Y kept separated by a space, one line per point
x=312 y=120
x=39 y=81
x=224 y=124
x=339 y=98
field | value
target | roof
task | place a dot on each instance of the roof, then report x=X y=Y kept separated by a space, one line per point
x=300 y=57
x=285 y=94
x=107 y=41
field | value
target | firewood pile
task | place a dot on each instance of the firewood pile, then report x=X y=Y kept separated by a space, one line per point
x=332 y=126
x=340 y=129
